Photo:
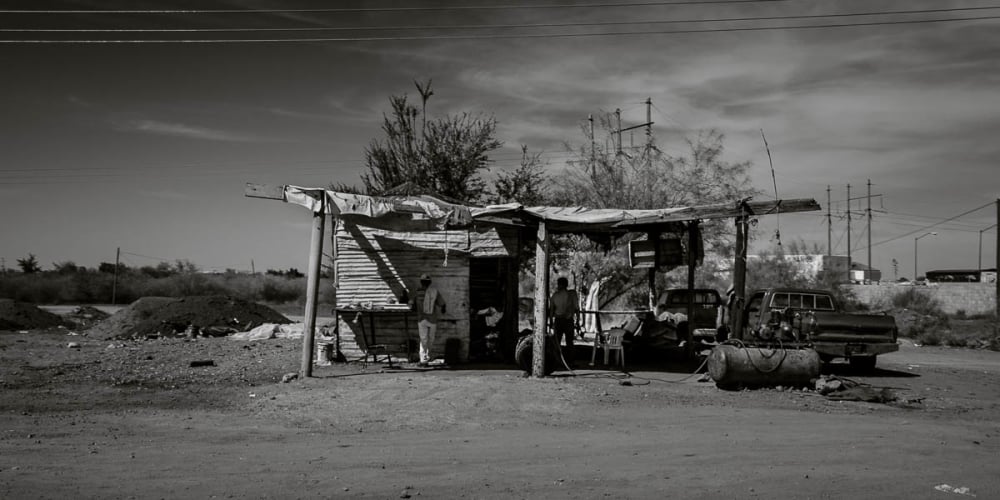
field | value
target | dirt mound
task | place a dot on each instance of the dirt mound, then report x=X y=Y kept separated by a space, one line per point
x=84 y=317
x=164 y=316
x=23 y=316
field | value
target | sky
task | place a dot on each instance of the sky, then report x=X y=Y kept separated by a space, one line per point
x=146 y=147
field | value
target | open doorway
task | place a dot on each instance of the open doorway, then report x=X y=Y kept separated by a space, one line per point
x=492 y=284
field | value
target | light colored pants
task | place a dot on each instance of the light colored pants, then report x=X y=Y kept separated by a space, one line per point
x=426 y=330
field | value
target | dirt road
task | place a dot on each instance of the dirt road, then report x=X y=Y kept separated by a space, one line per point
x=135 y=420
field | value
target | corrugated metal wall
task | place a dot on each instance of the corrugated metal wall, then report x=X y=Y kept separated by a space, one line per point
x=382 y=267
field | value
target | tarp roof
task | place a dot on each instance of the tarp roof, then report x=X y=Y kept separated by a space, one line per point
x=427 y=212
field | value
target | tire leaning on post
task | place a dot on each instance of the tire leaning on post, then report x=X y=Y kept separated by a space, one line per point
x=524 y=354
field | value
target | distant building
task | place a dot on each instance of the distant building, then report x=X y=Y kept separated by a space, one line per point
x=962 y=276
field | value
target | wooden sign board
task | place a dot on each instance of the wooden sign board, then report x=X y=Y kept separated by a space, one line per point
x=641 y=254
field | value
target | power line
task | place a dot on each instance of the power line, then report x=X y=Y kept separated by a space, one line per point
x=383 y=9
x=963 y=214
x=495 y=36
x=493 y=26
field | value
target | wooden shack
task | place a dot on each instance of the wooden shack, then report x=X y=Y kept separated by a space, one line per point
x=382 y=244
x=377 y=270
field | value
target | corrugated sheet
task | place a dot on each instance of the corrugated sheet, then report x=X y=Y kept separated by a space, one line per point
x=381 y=267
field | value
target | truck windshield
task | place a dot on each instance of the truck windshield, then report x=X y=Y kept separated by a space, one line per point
x=802 y=301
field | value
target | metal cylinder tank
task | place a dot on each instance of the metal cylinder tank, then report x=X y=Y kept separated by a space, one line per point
x=732 y=366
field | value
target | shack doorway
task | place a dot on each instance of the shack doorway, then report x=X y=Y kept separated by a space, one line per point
x=492 y=284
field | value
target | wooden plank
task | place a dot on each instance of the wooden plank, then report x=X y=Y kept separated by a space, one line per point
x=266 y=191
x=725 y=211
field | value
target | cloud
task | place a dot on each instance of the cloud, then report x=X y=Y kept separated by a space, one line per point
x=166 y=195
x=182 y=130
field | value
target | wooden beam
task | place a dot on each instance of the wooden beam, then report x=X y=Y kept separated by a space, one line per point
x=266 y=191
x=725 y=211
x=691 y=263
x=541 y=300
x=312 y=288
x=739 y=277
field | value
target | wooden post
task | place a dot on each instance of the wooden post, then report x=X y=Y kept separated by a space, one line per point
x=739 y=276
x=692 y=262
x=654 y=238
x=541 y=300
x=996 y=305
x=312 y=286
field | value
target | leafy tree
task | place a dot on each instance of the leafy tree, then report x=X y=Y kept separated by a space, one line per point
x=526 y=185
x=109 y=267
x=446 y=156
x=184 y=266
x=604 y=176
x=67 y=267
x=29 y=264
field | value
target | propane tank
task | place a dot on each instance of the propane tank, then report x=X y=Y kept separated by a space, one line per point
x=731 y=366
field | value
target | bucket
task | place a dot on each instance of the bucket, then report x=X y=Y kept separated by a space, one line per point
x=731 y=366
x=324 y=353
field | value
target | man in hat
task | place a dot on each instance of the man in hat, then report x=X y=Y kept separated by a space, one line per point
x=429 y=305
x=722 y=319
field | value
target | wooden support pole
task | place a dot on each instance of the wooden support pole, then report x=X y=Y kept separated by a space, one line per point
x=312 y=287
x=654 y=238
x=692 y=263
x=739 y=277
x=541 y=300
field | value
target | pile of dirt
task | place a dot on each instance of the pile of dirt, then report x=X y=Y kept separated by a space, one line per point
x=210 y=315
x=84 y=317
x=23 y=316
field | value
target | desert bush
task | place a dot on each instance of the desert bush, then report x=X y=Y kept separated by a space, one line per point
x=277 y=290
x=929 y=330
x=94 y=287
x=912 y=299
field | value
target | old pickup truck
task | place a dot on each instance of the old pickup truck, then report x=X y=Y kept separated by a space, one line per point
x=812 y=318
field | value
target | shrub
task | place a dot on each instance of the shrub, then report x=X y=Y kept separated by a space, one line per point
x=280 y=290
x=913 y=300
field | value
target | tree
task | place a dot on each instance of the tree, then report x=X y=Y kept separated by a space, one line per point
x=526 y=185
x=29 y=264
x=646 y=178
x=184 y=266
x=446 y=157
x=67 y=267
x=109 y=267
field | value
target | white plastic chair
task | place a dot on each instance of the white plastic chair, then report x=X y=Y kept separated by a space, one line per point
x=614 y=340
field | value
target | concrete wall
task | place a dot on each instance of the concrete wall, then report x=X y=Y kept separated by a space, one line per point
x=973 y=298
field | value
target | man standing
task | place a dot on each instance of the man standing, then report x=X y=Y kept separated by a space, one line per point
x=563 y=307
x=428 y=304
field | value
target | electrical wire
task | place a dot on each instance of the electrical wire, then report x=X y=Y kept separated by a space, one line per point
x=494 y=36
x=496 y=26
x=384 y=9
x=911 y=233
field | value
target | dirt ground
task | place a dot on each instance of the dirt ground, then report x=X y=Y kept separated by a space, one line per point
x=135 y=419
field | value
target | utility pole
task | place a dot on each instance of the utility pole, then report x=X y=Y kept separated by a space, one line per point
x=649 y=124
x=618 y=116
x=850 y=261
x=114 y=282
x=253 y=270
x=869 y=272
x=829 y=224
x=593 y=148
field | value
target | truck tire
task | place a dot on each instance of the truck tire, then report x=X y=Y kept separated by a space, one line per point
x=525 y=354
x=863 y=363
